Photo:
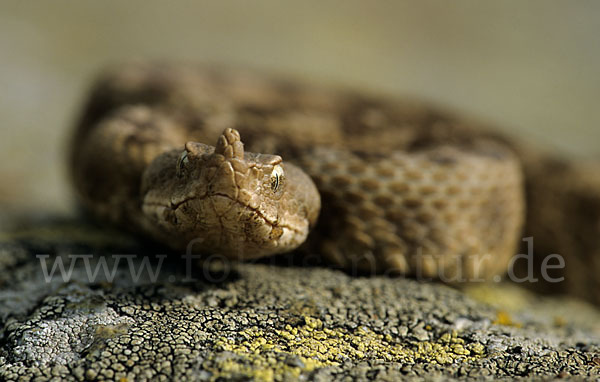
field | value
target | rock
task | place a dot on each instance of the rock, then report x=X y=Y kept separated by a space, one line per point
x=125 y=311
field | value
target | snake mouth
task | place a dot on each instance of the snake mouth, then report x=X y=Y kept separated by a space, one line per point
x=175 y=206
x=234 y=228
x=174 y=209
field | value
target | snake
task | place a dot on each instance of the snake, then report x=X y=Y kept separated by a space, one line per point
x=246 y=165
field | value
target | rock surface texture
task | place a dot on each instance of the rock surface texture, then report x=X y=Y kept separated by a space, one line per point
x=126 y=313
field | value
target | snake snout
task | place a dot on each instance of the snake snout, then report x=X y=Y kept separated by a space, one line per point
x=224 y=181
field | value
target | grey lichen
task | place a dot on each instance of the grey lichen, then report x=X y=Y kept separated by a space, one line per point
x=269 y=323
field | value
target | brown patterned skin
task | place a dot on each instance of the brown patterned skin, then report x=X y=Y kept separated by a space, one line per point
x=563 y=217
x=403 y=187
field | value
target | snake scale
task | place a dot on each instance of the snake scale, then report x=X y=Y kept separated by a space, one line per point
x=246 y=165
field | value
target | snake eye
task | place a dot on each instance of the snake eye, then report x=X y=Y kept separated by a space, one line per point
x=182 y=162
x=277 y=178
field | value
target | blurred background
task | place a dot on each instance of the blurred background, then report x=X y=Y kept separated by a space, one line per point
x=530 y=67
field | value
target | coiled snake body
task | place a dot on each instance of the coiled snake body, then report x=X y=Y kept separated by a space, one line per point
x=247 y=166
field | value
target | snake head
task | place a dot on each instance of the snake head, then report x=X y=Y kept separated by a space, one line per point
x=227 y=201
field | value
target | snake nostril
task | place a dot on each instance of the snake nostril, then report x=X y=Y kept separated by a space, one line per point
x=276 y=233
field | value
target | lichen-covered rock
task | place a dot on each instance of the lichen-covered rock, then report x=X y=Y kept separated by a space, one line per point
x=119 y=311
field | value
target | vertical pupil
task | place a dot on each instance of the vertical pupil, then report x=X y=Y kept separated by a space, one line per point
x=182 y=159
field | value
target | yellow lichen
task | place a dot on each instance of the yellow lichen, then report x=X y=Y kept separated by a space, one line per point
x=504 y=318
x=504 y=296
x=560 y=321
x=262 y=355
